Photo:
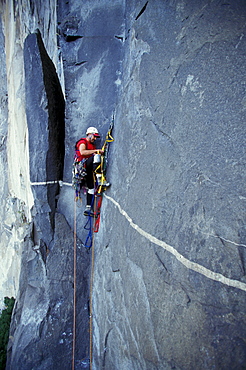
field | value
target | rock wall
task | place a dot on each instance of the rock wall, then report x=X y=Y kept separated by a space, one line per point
x=169 y=280
x=18 y=19
x=170 y=255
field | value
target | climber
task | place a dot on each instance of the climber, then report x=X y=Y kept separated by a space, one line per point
x=84 y=151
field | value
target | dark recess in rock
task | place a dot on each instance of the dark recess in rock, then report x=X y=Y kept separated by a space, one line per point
x=80 y=63
x=70 y=38
x=141 y=11
x=56 y=109
x=56 y=126
x=119 y=38
x=105 y=348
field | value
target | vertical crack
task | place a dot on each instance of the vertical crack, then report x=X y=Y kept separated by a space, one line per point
x=56 y=125
x=141 y=11
x=105 y=348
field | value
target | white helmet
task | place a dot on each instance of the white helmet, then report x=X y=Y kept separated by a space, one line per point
x=92 y=130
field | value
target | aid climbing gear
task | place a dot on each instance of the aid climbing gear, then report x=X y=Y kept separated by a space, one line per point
x=89 y=227
x=79 y=170
x=101 y=183
x=98 y=213
x=78 y=177
x=92 y=224
x=101 y=170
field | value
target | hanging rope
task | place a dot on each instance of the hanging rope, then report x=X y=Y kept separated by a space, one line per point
x=91 y=221
x=96 y=222
x=74 y=284
x=91 y=298
x=92 y=225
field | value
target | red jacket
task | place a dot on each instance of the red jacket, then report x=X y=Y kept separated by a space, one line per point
x=88 y=146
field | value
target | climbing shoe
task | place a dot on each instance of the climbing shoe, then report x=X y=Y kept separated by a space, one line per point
x=104 y=184
x=88 y=212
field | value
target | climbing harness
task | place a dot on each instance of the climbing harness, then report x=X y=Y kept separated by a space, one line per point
x=79 y=171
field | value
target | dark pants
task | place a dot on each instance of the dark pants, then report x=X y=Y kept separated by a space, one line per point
x=90 y=167
x=89 y=171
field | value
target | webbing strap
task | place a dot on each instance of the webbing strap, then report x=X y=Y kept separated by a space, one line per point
x=89 y=226
x=98 y=212
x=109 y=139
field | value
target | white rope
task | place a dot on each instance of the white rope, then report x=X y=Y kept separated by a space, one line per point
x=60 y=182
x=186 y=262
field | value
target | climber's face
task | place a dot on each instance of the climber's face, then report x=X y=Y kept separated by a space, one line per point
x=91 y=138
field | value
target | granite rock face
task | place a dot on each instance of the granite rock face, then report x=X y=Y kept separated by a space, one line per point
x=169 y=282
x=46 y=129
x=18 y=19
x=178 y=172
x=42 y=325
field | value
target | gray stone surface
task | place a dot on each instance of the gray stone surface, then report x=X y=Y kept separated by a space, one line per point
x=92 y=73
x=178 y=171
x=4 y=228
x=3 y=115
x=169 y=284
x=45 y=118
x=42 y=325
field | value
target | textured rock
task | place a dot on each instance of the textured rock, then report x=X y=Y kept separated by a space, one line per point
x=38 y=337
x=43 y=318
x=18 y=19
x=177 y=171
x=13 y=210
x=169 y=283
x=5 y=285
x=46 y=133
x=92 y=73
